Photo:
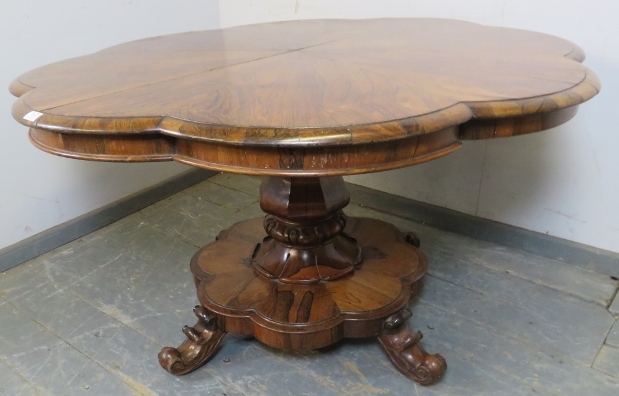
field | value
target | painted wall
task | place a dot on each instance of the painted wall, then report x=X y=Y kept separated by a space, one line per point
x=38 y=190
x=564 y=182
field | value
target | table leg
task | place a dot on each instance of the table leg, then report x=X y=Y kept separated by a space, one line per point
x=200 y=345
x=402 y=347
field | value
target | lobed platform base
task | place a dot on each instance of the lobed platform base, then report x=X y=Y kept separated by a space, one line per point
x=370 y=301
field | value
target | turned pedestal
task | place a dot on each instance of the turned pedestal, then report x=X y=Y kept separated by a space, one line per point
x=306 y=276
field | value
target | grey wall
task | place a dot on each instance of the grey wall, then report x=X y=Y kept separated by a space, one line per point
x=39 y=191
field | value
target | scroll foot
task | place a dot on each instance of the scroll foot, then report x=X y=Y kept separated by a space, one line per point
x=197 y=349
x=407 y=355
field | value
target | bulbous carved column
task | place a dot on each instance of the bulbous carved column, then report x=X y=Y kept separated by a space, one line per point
x=305 y=242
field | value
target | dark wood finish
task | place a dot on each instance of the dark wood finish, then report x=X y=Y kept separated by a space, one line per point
x=403 y=349
x=200 y=345
x=305 y=98
x=251 y=160
x=369 y=302
x=305 y=241
x=305 y=102
x=308 y=311
x=310 y=316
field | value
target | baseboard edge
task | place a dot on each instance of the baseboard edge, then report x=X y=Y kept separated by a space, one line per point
x=64 y=233
x=595 y=259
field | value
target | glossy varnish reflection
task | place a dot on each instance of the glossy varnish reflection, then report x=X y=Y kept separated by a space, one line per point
x=304 y=102
x=282 y=98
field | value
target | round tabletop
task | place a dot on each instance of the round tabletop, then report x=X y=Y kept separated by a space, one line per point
x=304 y=98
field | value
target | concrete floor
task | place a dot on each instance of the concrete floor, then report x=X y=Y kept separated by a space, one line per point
x=90 y=317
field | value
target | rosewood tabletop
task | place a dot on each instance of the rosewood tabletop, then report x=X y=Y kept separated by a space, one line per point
x=303 y=103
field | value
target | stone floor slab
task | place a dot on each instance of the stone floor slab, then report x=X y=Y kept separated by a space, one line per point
x=247 y=184
x=67 y=317
x=551 y=335
x=133 y=357
x=613 y=335
x=566 y=278
x=19 y=334
x=12 y=384
x=91 y=316
x=608 y=361
x=191 y=219
x=538 y=371
x=222 y=196
x=544 y=314
x=62 y=370
x=614 y=306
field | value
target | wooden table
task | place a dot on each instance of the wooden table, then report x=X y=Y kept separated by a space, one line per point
x=304 y=103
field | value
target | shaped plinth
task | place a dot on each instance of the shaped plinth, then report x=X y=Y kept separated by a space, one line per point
x=304 y=317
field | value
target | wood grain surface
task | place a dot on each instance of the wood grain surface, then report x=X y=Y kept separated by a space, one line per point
x=369 y=302
x=305 y=98
x=304 y=317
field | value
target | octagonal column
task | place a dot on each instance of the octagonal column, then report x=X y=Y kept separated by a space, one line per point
x=305 y=242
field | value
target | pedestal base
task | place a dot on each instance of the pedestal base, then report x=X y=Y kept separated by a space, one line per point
x=369 y=302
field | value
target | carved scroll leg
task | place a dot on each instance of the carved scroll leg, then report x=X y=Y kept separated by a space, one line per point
x=407 y=355
x=197 y=349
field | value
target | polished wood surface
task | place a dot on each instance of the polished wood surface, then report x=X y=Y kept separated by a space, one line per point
x=305 y=98
x=329 y=311
x=315 y=278
x=369 y=302
x=305 y=242
x=305 y=102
